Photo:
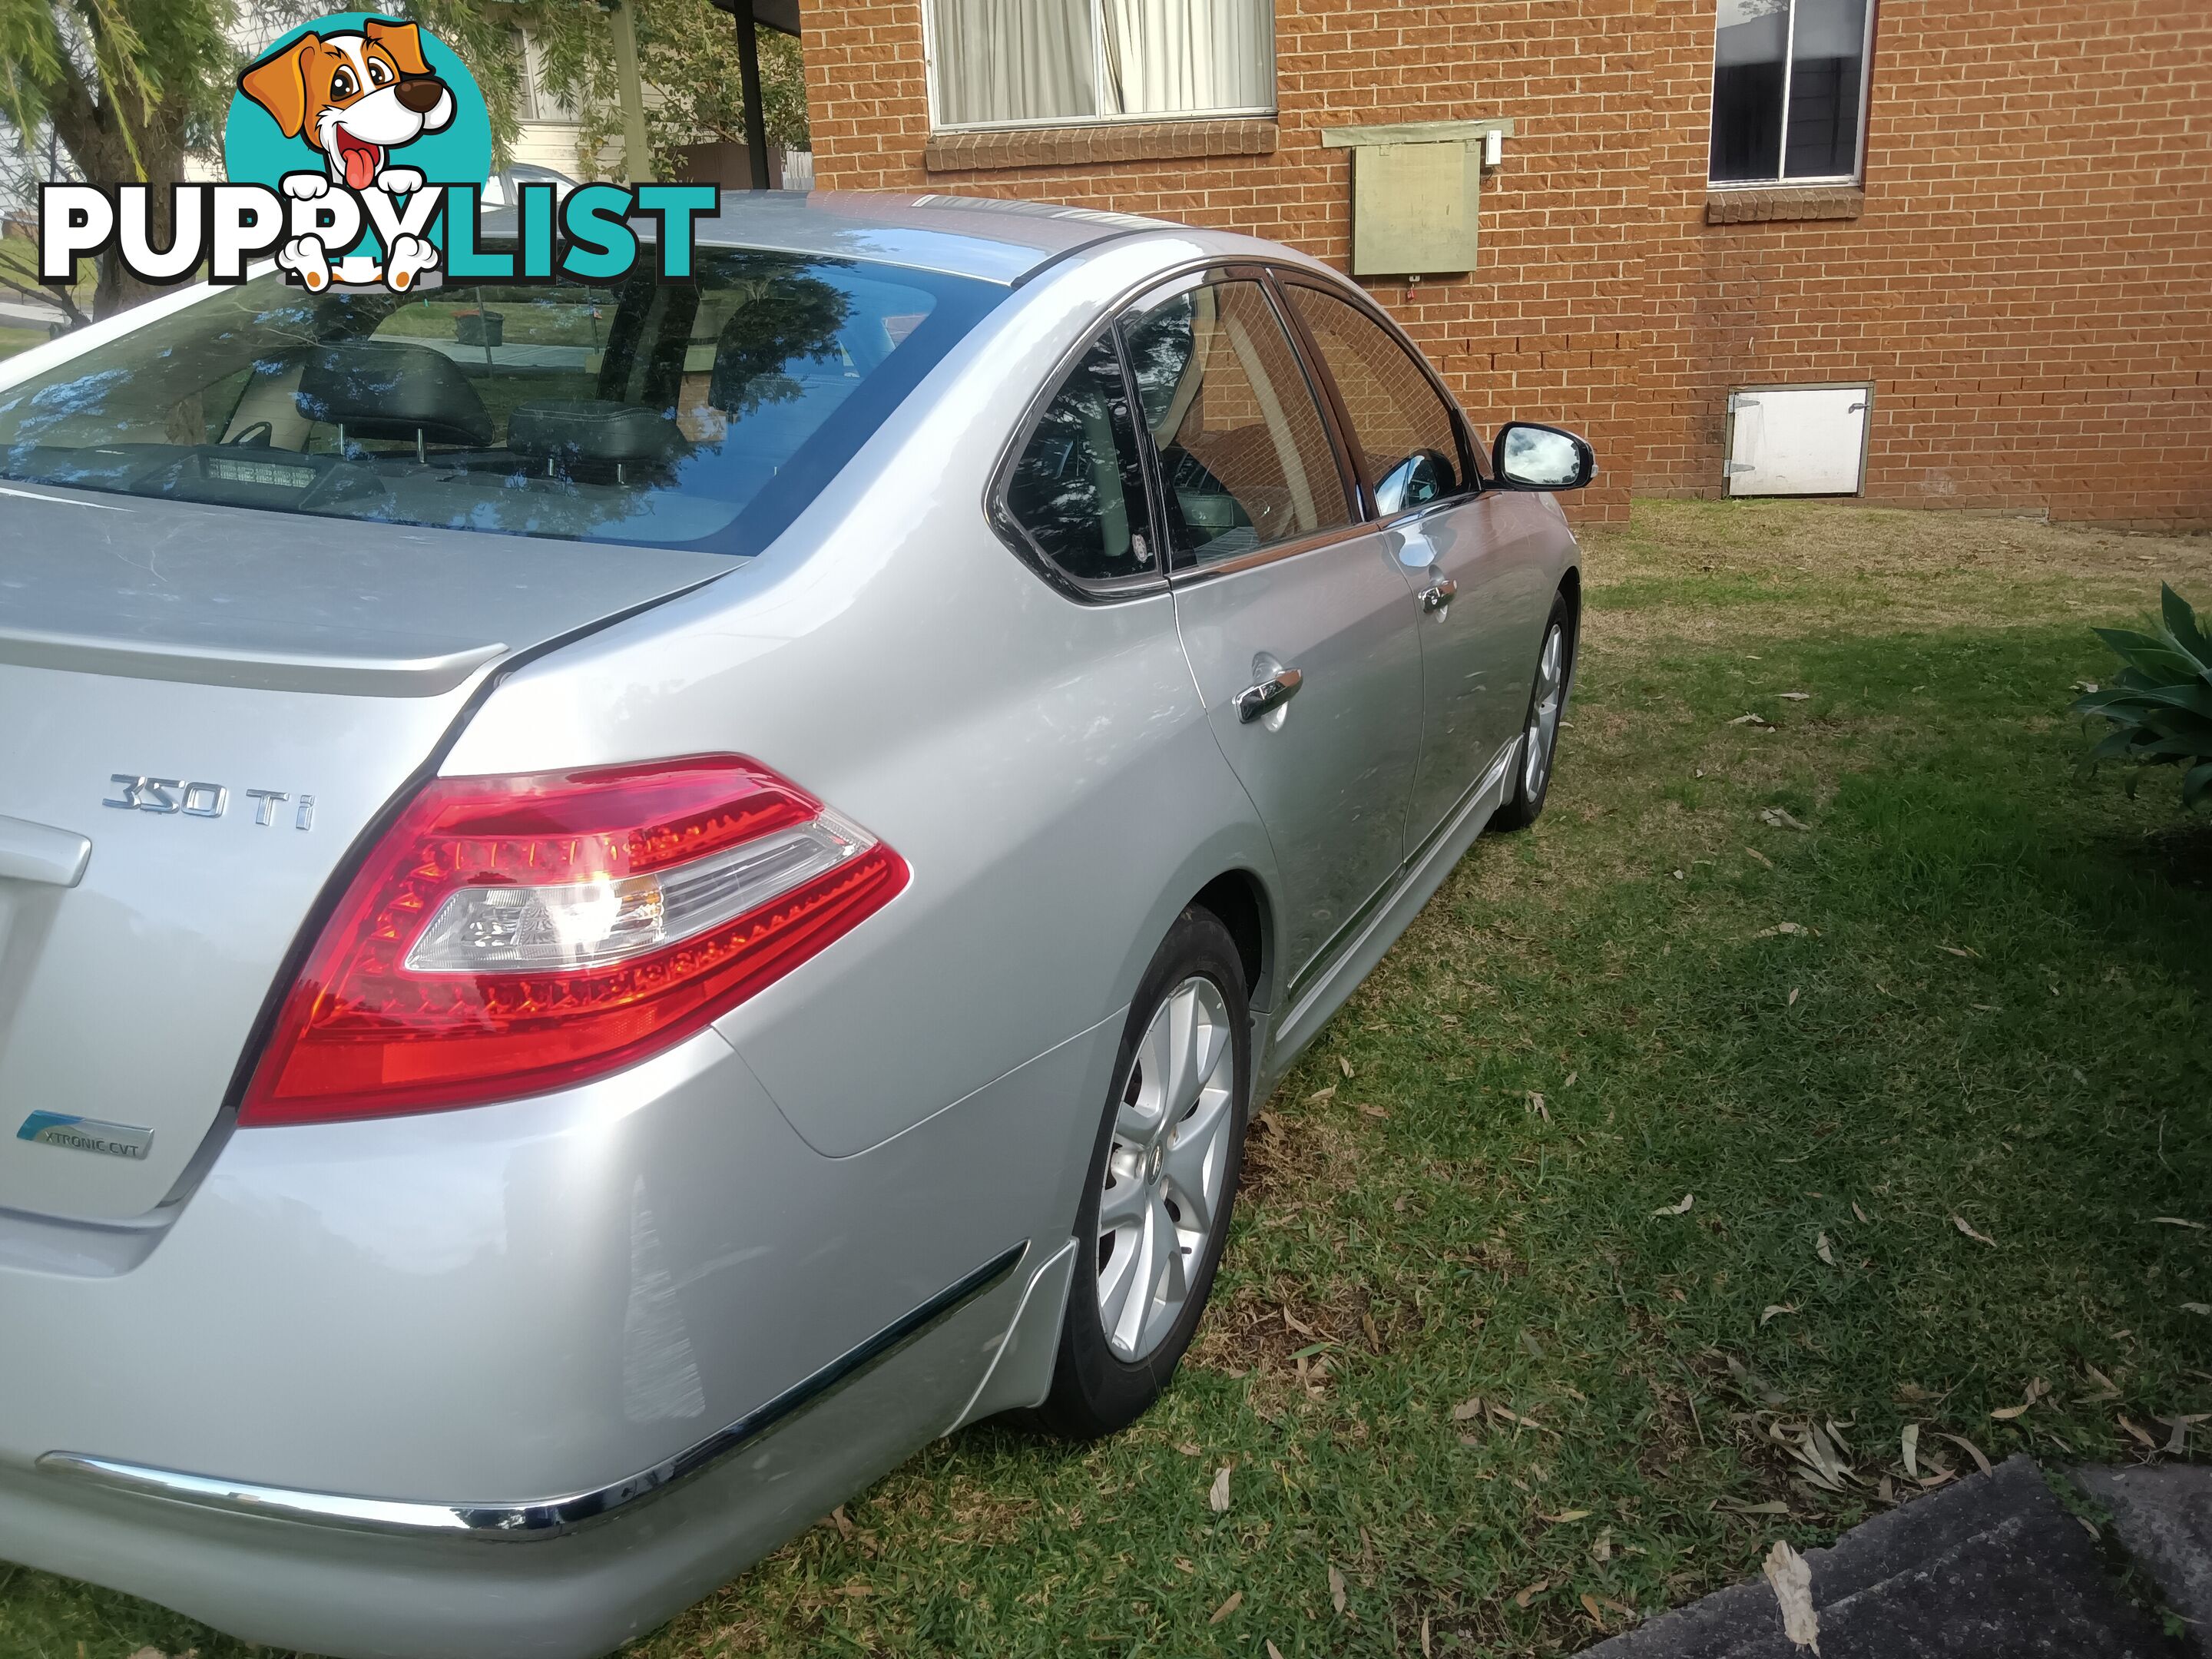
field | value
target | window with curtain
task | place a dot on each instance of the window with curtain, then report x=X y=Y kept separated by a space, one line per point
x=1789 y=78
x=1033 y=63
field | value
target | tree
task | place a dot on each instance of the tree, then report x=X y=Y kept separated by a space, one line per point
x=687 y=59
x=129 y=87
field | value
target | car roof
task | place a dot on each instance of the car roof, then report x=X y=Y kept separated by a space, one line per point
x=999 y=241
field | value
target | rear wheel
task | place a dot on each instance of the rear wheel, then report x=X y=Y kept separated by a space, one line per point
x=1539 y=735
x=1162 y=1178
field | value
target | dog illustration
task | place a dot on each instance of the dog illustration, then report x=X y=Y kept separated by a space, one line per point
x=357 y=97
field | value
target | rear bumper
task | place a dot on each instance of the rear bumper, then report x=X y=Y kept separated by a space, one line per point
x=366 y=1361
x=579 y=1591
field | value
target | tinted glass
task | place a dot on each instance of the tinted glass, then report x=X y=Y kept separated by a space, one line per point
x=1749 y=52
x=1078 y=488
x=1826 y=59
x=1244 y=451
x=1401 y=424
x=706 y=413
x=1777 y=65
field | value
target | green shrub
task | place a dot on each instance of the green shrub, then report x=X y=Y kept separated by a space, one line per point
x=2160 y=702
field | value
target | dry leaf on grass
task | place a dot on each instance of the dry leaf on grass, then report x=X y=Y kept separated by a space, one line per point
x=1427 y=1652
x=2178 y=1221
x=1467 y=1409
x=1217 y=1498
x=1335 y=1588
x=1909 y=1441
x=1964 y=1226
x=1683 y=1208
x=1536 y=1105
x=1274 y=1652
x=1795 y=697
x=1857 y=1211
x=1778 y=817
x=1971 y=1450
x=1792 y=1579
x=1750 y=719
x=1792 y=1003
x=2138 y=1433
x=1373 y=1111
x=2110 y=1389
x=1345 y=1063
x=1601 y=1551
x=1958 y=951
x=1781 y=928
x=1821 y=1249
x=1760 y=856
x=1775 y=1508
x=1590 y=1607
x=2197 y=1307
x=1565 y=1517
x=1322 y=1096
x=1524 y=1597
x=1774 y=1309
x=1368 y=1329
x=1569 y=1083
x=1235 y=1602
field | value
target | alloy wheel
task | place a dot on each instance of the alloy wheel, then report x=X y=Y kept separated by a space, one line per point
x=1544 y=714
x=1162 y=1194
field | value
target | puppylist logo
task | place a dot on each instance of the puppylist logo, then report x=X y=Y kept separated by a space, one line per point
x=357 y=149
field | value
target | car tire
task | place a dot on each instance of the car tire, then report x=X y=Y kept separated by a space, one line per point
x=1171 y=1146
x=1540 y=731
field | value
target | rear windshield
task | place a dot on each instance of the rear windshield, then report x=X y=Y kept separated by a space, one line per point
x=704 y=414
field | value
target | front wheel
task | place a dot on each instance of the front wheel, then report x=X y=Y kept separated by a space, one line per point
x=1539 y=735
x=1163 y=1177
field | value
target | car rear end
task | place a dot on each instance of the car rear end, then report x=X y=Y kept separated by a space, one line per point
x=372 y=1143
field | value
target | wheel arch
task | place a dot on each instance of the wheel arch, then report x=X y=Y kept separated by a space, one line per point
x=1239 y=899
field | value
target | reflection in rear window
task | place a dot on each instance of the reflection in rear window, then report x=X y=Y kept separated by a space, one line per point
x=705 y=414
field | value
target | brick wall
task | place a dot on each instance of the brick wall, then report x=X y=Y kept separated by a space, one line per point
x=2027 y=278
x=2028 y=282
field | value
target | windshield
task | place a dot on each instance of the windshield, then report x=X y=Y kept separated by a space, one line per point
x=704 y=414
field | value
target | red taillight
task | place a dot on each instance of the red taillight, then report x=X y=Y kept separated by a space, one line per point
x=512 y=935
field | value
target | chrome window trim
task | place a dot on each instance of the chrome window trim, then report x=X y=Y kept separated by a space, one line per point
x=534 y=1520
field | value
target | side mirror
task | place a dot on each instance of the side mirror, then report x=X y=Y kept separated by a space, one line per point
x=1530 y=457
x=1423 y=477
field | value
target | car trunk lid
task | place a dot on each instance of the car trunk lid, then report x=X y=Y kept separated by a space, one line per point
x=220 y=702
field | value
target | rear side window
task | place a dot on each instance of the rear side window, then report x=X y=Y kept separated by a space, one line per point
x=1244 y=453
x=703 y=414
x=1078 y=490
x=1400 y=422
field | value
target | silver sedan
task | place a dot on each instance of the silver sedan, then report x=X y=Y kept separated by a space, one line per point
x=620 y=905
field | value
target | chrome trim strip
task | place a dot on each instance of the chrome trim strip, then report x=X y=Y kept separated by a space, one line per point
x=531 y=1520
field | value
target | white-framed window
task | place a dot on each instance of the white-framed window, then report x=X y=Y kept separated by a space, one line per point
x=538 y=103
x=1789 y=89
x=1044 y=62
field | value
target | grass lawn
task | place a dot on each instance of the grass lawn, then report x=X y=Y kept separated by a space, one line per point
x=1914 y=1017
x=13 y=340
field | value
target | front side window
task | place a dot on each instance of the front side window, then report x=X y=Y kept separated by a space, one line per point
x=705 y=413
x=1400 y=422
x=1077 y=490
x=1789 y=83
x=1244 y=454
x=1029 y=62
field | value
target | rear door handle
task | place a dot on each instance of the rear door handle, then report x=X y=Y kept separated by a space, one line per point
x=1437 y=595
x=1255 y=701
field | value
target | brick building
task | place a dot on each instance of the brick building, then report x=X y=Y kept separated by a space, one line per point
x=1992 y=224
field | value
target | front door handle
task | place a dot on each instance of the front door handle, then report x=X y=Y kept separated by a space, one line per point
x=1437 y=595
x=1271 y=694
